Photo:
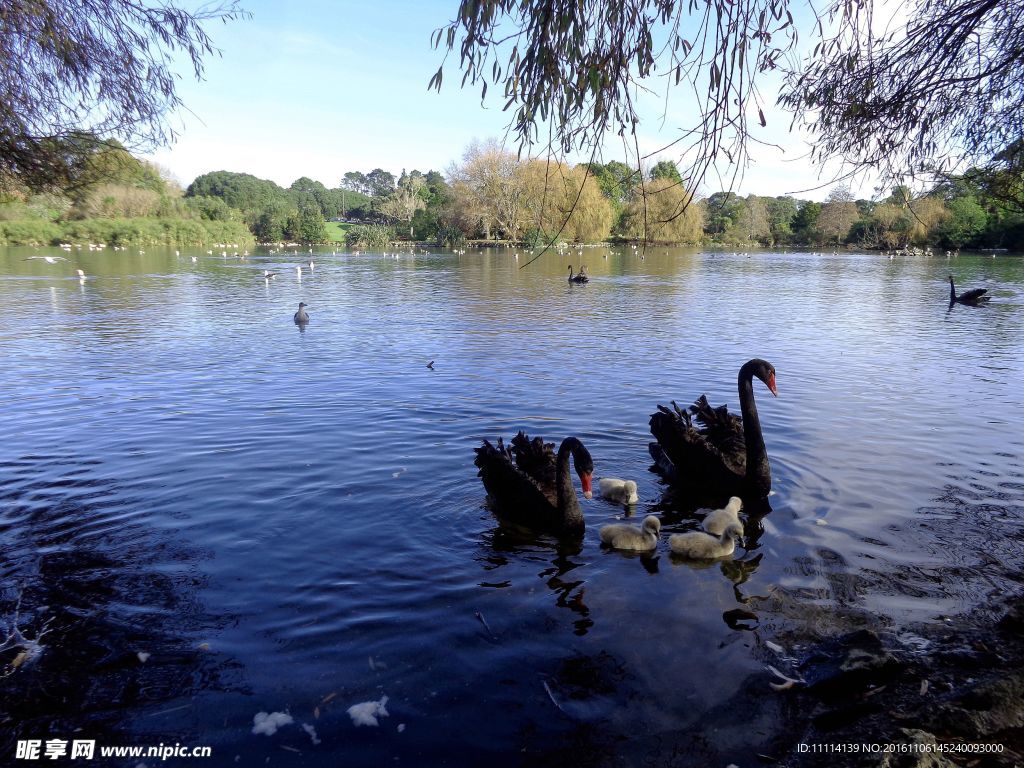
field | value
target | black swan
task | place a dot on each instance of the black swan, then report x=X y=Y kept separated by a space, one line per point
x=302 y=316
x=579 y=278
x=531 y=486
x=727 y=454
x=973 y=297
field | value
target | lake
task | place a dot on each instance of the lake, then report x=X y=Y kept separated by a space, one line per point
x=207 y=512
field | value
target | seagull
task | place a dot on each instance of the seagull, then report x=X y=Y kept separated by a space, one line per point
x=268 y=275
x=81 y=275
x=47 y=259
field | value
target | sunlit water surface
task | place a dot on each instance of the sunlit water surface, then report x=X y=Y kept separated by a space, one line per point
x=207 y=512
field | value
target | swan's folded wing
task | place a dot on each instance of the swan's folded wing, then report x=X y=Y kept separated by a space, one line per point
x=973 y=295
x=724 y=431
x=510 y=488
x=693 y=453
x=537 y=459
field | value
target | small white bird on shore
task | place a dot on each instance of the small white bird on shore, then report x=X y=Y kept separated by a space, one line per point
x=625 y=536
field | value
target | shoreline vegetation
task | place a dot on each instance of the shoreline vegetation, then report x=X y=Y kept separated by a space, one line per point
x=490 y=197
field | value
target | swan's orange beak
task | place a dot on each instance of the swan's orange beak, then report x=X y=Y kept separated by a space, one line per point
x=771 y=384
x=585 y=480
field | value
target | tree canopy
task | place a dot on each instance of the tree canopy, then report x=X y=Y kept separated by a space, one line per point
x=942 y=90
x=75 y=74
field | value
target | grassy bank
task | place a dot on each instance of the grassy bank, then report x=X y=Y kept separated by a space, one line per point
x=336 y=231
x=124 y=232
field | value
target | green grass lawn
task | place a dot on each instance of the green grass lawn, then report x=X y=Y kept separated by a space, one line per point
x=336 y=231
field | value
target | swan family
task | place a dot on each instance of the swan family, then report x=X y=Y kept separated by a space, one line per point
x=530 y=485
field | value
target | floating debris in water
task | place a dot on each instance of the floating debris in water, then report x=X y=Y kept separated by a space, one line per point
x=773 y=646
x=551 y=696
x=143 y=656
x=375 y=665
x=484 y=622
x=787 y=682
x=367 y=712
x=30 y=648
x=269 y=723
x=312 y=733
x=401 y=727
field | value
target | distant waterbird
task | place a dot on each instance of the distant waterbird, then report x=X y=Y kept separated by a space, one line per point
x=302 y=316
x=973 y=297
x=47 y=259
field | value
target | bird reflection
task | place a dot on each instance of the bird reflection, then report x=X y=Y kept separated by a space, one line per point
x=569 y=592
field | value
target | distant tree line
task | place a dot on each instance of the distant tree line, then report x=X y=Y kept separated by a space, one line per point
x=490 y=194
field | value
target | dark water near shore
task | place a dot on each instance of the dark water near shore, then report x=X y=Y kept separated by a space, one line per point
x=290 y=520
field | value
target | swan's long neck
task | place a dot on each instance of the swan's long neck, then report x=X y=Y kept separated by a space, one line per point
x=568 y=504
x=952 y=290
x=759 y=471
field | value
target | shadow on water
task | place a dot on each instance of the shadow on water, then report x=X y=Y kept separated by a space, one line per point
x=557 y=560
x=100 y=613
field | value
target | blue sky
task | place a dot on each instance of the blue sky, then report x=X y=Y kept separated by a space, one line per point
x=319 y=88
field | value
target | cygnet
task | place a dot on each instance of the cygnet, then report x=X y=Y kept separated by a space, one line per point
x=698 y=545
x=717 y=520
x=618 y=491
x=625 y=536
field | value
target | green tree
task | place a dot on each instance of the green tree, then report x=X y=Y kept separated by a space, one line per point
x=354 y=181
x=805 y=223
x=666 y=170
x=380 y=182
x=781 y=213
x=307 y=226
x=967 y=220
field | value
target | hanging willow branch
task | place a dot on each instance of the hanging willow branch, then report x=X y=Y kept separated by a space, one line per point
x=943 y=90
x=579 y=65
x=94 y=70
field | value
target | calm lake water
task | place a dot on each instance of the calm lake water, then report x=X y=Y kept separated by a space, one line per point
x=289 y=520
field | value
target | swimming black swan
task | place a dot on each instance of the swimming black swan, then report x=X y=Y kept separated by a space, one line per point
x=580 y=278
x=973 y=297
x=531 y=486
x=727 y=454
